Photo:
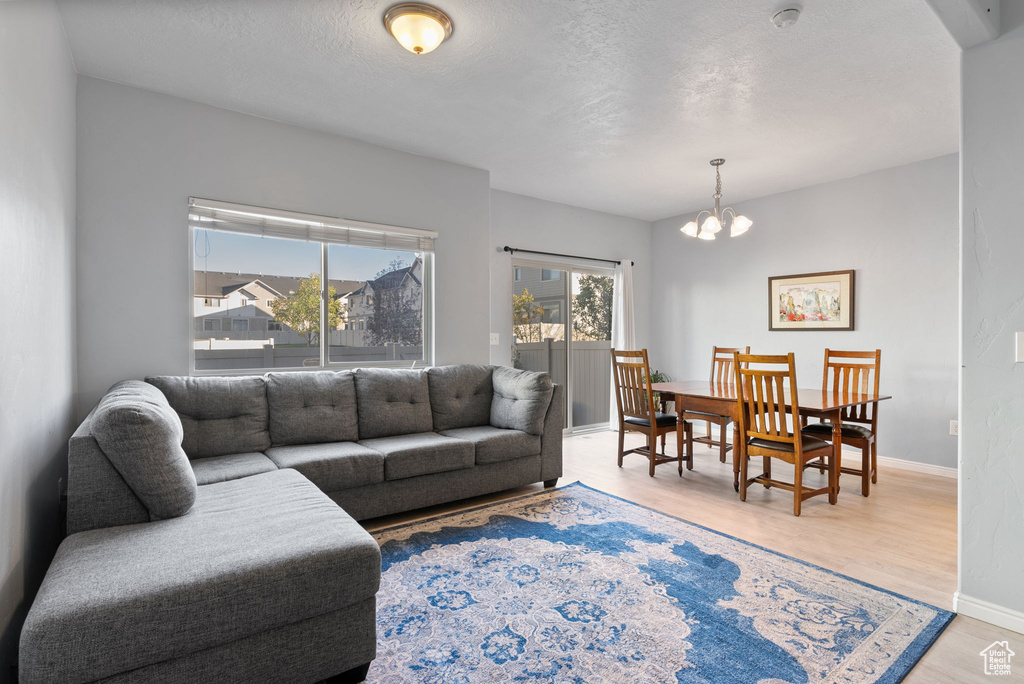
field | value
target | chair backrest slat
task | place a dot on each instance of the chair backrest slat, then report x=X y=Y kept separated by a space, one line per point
x=847 y=372
x=762 y=397
x=633 y=393
x=721 y=363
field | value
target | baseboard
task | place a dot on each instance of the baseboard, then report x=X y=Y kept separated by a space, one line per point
x=988 y=612
x=899 y=463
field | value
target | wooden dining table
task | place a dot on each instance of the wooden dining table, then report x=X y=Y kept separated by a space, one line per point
x=720 y=399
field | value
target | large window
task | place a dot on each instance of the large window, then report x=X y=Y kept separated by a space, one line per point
x=267 y=282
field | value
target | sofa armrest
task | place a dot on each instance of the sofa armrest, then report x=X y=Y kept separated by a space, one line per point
x=551 y=440
x=97 y=494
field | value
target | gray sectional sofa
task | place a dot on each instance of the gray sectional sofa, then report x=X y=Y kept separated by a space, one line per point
x=211 y=520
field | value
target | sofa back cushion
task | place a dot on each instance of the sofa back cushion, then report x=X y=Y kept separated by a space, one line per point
x=310 y=408
x=392 y=402
x=219 y=415
x=141 y=436
x=521 y=399
x=460 y=396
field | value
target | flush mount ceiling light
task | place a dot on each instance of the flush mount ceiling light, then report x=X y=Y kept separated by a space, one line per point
x=715 y=221
x=418 y=27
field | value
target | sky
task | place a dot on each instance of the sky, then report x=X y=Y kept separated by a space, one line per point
x=231 y=252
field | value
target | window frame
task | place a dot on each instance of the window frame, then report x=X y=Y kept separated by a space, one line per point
x=427 y=284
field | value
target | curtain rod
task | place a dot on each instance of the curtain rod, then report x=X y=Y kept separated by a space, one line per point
x=513 y=250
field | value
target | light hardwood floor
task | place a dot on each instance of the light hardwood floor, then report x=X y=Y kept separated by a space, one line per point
x=902 y=537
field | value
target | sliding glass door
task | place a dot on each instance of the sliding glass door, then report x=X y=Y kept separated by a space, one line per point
x=561 y=325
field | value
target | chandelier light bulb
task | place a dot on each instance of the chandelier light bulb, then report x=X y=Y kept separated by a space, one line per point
x=706 y=235
x=740 y=225
x=711 y=225
x=689 y=229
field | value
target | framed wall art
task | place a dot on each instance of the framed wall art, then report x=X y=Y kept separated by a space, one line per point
x=811 y=301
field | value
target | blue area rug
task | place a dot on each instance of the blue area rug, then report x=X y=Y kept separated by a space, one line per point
x=573 y=585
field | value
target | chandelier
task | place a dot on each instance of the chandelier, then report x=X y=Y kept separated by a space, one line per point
x=713 y=224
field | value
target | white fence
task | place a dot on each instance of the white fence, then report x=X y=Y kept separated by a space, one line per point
x=591 y=374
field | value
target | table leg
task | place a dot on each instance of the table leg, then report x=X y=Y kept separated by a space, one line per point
x=736 y=456
x=835 y=463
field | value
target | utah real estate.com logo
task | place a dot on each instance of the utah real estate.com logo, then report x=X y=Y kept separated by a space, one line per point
x=997 y=658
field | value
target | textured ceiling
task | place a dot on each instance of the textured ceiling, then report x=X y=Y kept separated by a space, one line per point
x=615 y=105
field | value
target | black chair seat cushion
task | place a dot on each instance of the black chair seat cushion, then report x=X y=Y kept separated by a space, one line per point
x=809 y=444
x=848 y=430
x=660 y=419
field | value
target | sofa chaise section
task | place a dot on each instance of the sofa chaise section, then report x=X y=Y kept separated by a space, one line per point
x=259 y=562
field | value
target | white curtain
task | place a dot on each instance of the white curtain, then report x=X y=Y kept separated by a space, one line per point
x=623 y=327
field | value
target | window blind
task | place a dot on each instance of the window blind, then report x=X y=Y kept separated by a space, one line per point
x=240 y=218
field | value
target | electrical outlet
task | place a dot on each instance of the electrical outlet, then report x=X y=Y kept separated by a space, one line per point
x=954 y=427
x=1019 y=357
x=495 y=339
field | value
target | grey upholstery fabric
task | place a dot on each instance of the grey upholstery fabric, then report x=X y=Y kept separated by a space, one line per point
x=420 y=454
x=551 y=441
x=847 y=429
x=497 y=444
x=337 y=465
x=521 y=399
x=255 y=554
x=97 y=494
x=395 y=496
x=306 y=651
x=231 y=467
x=220 y=415
x=392 y=402
x=312 y=408
x=141 y=435
x=460 y=396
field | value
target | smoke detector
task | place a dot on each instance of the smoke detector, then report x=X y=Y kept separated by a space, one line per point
x=786 y=18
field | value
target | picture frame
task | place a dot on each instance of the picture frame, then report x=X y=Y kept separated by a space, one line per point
x=811 y=301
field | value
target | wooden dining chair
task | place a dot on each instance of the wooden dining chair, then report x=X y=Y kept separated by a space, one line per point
x=762 y=397
x=854 y=371
x=635 y=400
x=721 y=374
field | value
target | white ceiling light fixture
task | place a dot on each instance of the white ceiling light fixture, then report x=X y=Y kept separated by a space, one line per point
x=418 y=27
x=715 y=221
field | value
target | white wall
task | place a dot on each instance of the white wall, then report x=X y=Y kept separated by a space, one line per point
x=992 y=389
x=37 y=341
x=897 y=228
x=141 y=155
x=530 y=223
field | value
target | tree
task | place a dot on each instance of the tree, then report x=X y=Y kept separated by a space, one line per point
x=592 y=309
x=397 y=310
x=300 y=310
x=526 y=317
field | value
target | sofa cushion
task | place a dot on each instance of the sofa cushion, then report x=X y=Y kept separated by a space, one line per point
x=333 y=466
x=494 y=445
x=460 y=396
x=421 y=454
x=254 y=555
x=521 y=399
x=392 y=402
x=220 y=415
x=310 y=408
x=231 y=467
x=141 y=436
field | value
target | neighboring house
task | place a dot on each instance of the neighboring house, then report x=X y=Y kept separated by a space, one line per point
x=548 y=287
x=237 y=306
x=359 y=304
